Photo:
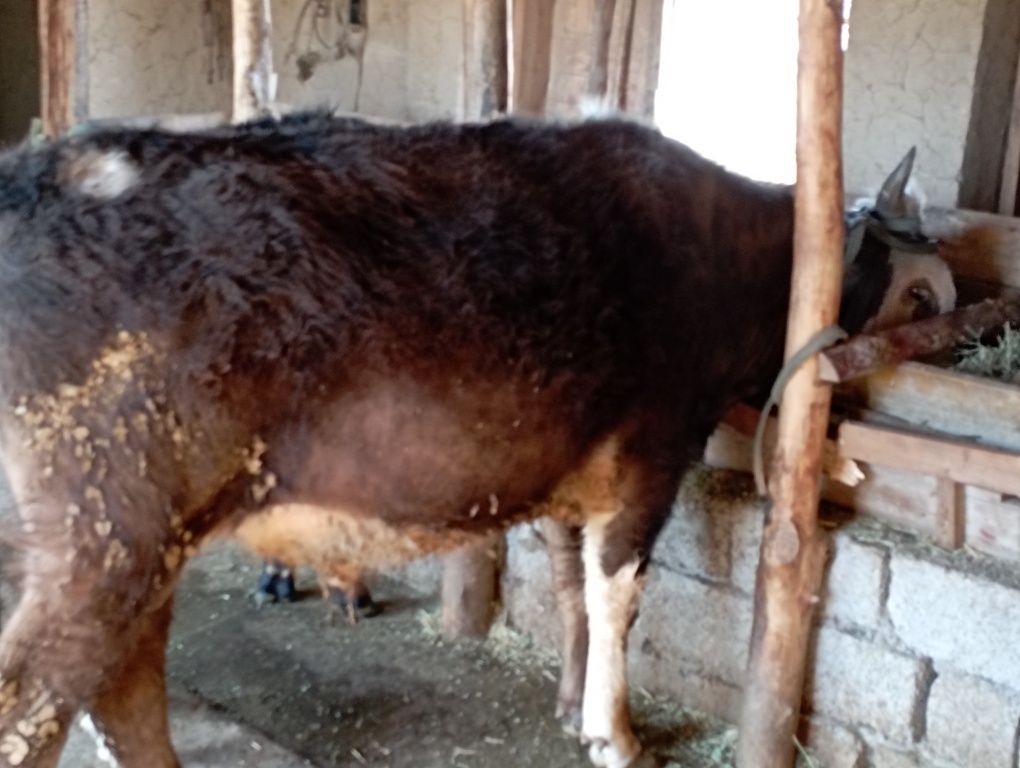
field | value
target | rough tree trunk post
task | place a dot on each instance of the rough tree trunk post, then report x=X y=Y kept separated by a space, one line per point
x=63 y=79
x=868 y=353
x=254 y=78
x=793 y=551
x=471 y=574
x=602 y=31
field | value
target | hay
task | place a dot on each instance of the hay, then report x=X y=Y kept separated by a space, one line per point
x=1000 y=360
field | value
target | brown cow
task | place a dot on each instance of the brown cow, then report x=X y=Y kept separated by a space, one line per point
x=354 y=346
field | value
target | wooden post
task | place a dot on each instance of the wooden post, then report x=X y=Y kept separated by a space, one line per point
x=485 y=58
x=64 y=70
x=1011 y=163
x=471 y=574
x=950 y=520
x=471 y=588
x=793 y=551
x=254 y=78
x=598 y=75
x=533 y=25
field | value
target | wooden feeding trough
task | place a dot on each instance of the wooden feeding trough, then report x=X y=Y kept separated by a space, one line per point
x=924 y=447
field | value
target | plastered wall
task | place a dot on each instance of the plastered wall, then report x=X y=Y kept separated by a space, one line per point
x=154 y=58
x=918 y=72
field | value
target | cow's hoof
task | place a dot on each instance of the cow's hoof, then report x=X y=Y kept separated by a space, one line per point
x=353 y=608
x=569 y=716
x=605 y=754
x=275 y=585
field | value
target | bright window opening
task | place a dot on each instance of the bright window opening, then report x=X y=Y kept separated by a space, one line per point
x=728 y=82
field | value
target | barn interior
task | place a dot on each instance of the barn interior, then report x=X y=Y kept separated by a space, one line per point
x=913 y=657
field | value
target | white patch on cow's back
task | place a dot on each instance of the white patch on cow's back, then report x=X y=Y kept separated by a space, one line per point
x=101 y=174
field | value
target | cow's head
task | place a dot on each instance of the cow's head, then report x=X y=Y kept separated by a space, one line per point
x=893 y=273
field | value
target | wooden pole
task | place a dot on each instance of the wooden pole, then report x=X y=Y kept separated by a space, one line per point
x=254 y=77
x=868 y=353
x=471 y=574
x=793 y=551
x=598 y=75
x=1011 y=162
x=64 y=73
x=485 y=58
x=533 y=25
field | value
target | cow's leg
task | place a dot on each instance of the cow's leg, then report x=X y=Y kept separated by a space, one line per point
x=35 y=711
x=130 y=715
x=564 y=544
x=276 y=582
x=344 y=590
x=616 y=548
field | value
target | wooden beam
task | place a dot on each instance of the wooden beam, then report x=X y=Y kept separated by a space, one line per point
x=961 y=461
x=471 y=574
x=533 y=28
x=602 y=32
x=1011 y=162
x=254 y=77
x=944 y=401
x=63 y=64
x=793 y=550
x=868 y=353
x=485 y=58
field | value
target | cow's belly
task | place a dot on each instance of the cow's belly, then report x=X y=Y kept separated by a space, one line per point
x=399 y=456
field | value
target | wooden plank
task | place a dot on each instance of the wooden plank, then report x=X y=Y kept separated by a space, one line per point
x=958 y=460
x=793 y=550
x=982 y=246
x=64 y=72
x=982 y=409
x=730 y=446
x=1011 y=161
x=900 y=498
x=993 y=523
x=533 y=31
x=602 y=31
x=950 y=530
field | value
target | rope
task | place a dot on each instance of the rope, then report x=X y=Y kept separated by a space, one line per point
x=821 y=340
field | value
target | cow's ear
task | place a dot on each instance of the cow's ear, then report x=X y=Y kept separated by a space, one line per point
x=892 y=199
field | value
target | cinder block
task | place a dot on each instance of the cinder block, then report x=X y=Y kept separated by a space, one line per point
x=661 y=674
x=957 y=619
x=890 y=757
x=834 y=746
x=527 y=592
x=971 y=722
x=853 y=586
x=703 y=629
x=715 y=529
x=860 y=683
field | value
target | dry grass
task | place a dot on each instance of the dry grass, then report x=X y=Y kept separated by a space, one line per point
x=1000 y=360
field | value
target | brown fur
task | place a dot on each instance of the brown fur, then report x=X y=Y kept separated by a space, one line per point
x=349 y=345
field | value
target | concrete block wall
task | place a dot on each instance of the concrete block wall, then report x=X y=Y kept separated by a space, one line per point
x=916 y=657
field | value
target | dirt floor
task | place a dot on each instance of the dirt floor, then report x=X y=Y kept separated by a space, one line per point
x=287 y=687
